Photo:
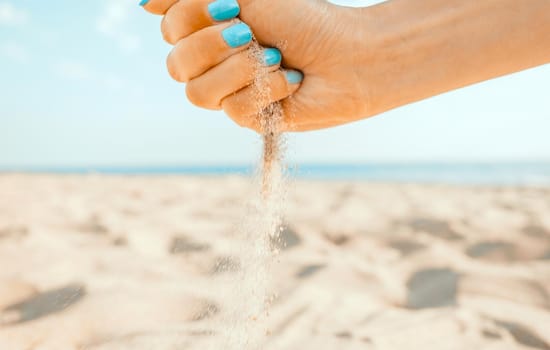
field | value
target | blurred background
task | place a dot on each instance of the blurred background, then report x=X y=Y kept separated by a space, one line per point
x=84 y=87
x=108 y=243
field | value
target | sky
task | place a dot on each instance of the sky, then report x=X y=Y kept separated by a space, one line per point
x=84 y=83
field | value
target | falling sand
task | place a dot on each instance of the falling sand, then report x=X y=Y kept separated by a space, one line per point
x=233 y=317
x=245 y=326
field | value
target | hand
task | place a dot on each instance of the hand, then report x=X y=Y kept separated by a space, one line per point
x=317 y=40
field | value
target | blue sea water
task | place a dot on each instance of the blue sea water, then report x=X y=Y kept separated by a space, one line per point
x=450 y=173
x=519 y=173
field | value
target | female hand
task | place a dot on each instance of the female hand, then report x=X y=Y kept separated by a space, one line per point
x=319 y=86
x=355 y=62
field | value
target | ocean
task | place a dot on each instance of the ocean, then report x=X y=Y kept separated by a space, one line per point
x=518 y=173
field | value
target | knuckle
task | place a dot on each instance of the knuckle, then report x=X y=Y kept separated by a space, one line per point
x=166 y=32
x=236 y=115
x=176 y=70
x=195 y=94
x=170 y=66
x=230 y=109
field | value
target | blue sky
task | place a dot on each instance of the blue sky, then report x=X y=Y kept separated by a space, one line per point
x=84 y=83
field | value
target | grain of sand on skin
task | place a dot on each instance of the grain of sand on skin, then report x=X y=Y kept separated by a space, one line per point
x=92 y=262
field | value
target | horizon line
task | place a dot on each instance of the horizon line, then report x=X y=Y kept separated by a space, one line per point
x=251 y=166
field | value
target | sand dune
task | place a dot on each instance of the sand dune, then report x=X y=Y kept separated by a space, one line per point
x=104 y=263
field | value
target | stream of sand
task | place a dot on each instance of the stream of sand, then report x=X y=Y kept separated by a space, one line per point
x=245 y=325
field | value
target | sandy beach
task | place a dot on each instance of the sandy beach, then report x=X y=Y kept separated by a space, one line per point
x=130 y=262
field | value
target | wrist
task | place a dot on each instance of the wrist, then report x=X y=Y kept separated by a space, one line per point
x=360 y=43
x=388 y=48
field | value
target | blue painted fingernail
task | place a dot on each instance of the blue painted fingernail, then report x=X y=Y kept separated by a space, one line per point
x=237 y=35
x=222 y=10
x=294 y=77
x=272 y=57
x=143 y=2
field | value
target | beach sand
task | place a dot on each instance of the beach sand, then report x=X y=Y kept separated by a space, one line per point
x=119 y=262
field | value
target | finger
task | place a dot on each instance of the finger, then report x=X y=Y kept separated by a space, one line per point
x=206 y=48
x=158 y=7
x=244 y=105
x=189 y=16
x=233 y=74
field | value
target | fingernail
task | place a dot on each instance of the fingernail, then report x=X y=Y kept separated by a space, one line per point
x=237 y=35
x=222 y=10
x=272 y=57
x=143 y=2
x=294 y=77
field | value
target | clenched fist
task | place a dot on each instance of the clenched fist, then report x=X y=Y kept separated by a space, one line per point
x=310 y=50
x=331 y=65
